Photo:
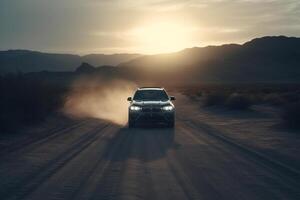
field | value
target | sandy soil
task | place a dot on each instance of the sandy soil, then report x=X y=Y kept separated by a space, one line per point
x=207 y=156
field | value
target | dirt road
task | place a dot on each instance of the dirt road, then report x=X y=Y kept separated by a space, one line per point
x=99 y=160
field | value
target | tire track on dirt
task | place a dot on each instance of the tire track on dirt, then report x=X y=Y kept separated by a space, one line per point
x=104 y=179
x=178 y=172
x=288 y=172
x=109 y=186
x=288 y=180
x=136 y=174
x=162 y=169
x=156 y=169
x=30 y=183
x=38 y=141
x=72 y=177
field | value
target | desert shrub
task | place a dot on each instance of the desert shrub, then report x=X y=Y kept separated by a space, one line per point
x=290 y=97
x=199 y=94
x=273 y=99
x=239 y=101
x=257 y=98
x=214 y=98
x=266 y=90
x=26 y=101
x=291 y=115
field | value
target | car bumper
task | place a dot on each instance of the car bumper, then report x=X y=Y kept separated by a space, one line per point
x=152 y=117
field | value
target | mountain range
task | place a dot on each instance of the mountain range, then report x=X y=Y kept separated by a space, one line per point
x=266 y=59
x=33 y=61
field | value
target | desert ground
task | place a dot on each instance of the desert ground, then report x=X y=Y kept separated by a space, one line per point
x=210 y=154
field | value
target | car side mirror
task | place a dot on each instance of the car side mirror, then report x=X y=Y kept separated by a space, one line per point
x=129 y=99
x=172 y=98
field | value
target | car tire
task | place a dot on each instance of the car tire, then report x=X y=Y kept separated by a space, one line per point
x=131 y=123
x=171 y=124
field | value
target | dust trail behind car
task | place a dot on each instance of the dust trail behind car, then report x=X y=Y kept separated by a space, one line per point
x=96 y=98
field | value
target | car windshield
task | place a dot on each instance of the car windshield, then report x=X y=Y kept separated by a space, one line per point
x=150 y=95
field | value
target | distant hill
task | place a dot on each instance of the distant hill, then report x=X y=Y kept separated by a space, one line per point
x=273 y=59
x=33 y=61
x=106 y=71
x=266 y=59
x=85 y=68
x=103 y=59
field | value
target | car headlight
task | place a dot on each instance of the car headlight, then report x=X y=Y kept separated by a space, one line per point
x=135 y=108
x=167 y=108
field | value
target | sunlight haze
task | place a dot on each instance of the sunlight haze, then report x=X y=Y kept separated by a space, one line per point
x=149 y=27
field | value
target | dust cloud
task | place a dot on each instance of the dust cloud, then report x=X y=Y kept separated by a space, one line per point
x=99 y=99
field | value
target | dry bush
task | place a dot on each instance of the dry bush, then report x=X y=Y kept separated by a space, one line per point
x=291 y=115
x=291 y=97
x=214 y=99
x=199 y=94
x=239 y=101
x=274 y=99
x=26 y=101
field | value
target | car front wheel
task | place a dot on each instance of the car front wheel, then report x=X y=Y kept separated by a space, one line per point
x=171 y=124
x=131 y=123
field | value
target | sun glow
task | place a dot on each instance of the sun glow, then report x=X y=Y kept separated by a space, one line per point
x=162 y=37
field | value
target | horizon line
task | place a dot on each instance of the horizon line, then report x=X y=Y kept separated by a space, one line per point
x=142 y=54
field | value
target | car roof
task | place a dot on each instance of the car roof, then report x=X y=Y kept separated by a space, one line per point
x=150 y=88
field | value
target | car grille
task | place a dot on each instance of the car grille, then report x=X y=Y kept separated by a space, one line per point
x=151 y=109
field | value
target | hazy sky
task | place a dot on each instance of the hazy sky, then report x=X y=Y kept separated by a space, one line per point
x=142 y=26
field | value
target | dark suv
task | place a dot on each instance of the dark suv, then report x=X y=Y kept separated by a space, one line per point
x=151 y=104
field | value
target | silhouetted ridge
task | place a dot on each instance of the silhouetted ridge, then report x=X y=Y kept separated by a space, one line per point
x=85 y=68
x=33 y=61
x=273 y=41
x=103 y=59
x=267 y=59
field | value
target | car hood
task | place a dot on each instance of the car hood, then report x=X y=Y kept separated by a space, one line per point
x=151 y=103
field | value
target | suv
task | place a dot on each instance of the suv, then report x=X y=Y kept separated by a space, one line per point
x=151 y=104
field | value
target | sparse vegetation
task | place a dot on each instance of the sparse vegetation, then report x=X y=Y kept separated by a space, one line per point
x=273 y=99
x=214 y=99
x=26 y=101
x=238 y=101
x=230 y=100
x=243 y=96
x=291 y=115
